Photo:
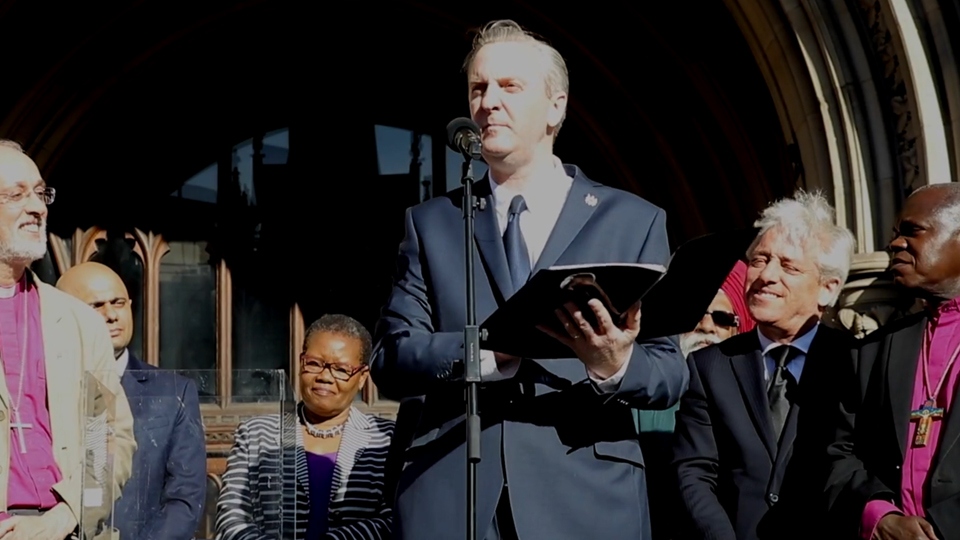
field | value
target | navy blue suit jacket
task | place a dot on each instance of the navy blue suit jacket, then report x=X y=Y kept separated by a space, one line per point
x=164 y=498
x=737 y=480
x=569 y=452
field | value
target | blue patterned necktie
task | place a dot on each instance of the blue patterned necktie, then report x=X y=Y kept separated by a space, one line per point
x=518 y=258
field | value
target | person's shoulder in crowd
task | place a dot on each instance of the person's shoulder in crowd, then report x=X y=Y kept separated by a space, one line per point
x=737 y=345
x=267 y=423
x=177 y=383
x=840 y=336
x=617 y=196
x=88 y=322
x=383 y=425
x=83 y=313
x=452 y=200
x=892 y=327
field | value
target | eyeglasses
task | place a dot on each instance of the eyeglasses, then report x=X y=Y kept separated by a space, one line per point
x=724 y=319
x=46 y=194
x=340 y=372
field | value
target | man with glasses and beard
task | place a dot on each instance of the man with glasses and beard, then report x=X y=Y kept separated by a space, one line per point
x=726 y=317
x=717 y=324
x=49 y=341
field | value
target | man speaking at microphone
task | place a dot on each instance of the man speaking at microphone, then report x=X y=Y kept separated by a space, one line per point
x=560 y=457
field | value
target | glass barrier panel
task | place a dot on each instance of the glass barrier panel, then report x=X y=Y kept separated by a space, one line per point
x=248 y=491
x=99 y=421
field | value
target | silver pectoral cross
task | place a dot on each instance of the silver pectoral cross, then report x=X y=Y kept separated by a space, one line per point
x=20 y=426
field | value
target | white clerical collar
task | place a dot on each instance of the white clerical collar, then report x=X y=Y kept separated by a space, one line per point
x=123 y=361
x=802 y=343
x=11 y=291
x=8 y=292
x=537 y=191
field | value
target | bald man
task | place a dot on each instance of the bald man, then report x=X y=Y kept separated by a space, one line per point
x=896 y=475
x=164 y=498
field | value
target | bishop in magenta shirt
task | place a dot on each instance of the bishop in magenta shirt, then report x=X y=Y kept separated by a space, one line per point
x=33 y=474
x=944 y=329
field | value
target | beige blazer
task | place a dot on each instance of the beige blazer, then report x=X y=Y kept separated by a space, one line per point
x=75 y=341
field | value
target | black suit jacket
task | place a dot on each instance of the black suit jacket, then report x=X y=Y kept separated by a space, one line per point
x=568 y=451
x=165 y=495
x=871 y=439
x=737 y=482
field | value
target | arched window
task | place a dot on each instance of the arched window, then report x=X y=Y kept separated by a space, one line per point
x=233 y=260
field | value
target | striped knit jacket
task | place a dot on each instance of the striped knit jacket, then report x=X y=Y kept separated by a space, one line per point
x=265 y=493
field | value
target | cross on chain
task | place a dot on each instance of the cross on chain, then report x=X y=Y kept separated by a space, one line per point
x=925 y=416
x=20 y=426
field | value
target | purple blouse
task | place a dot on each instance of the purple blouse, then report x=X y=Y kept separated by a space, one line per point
x=320 y=467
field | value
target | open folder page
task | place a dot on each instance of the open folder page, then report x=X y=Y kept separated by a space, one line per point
x=672 y=301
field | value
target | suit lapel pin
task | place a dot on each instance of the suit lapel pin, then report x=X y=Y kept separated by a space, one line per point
x=590 y=199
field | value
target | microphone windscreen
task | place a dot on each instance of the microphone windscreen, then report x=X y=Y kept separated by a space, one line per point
x=456 y=126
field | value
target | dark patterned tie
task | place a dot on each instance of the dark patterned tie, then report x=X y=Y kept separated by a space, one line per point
x=780 y=384
x=518 y=258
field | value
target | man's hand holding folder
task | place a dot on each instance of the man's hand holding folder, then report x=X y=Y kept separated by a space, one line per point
x=603 y=345
x=590 y=312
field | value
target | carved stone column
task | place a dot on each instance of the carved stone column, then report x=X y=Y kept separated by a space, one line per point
x=869 y=299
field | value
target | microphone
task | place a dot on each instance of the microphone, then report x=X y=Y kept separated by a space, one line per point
x=463 y=135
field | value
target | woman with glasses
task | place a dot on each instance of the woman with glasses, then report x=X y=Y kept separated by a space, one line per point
x=337 y=488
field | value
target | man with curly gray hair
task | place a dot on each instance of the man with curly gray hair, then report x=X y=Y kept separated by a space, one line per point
x=751 y=433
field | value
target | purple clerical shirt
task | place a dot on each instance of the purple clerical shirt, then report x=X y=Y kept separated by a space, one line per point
x=944 y=328
x=33 y=474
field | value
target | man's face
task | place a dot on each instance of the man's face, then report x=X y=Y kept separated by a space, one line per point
x=709 y=330
x=508 y=100
x=925 y=252
x=108 y=295
x=23 y=215
x=783 y=285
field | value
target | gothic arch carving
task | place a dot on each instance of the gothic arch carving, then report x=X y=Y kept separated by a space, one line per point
x=148 y=246
x=152 y=248
x=888 y=49
x=846 y=78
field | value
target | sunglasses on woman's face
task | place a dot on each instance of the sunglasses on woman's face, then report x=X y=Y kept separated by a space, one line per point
x=724 y=319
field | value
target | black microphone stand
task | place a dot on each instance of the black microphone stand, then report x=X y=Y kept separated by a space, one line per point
x=471 y=340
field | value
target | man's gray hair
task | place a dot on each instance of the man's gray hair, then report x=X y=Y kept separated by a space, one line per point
x=344 y=326
x=948 y=210
x=7 y=143
x=507 y=31
x=808 y=219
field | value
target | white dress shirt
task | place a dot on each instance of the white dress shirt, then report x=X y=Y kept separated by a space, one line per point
x=122 y=362
x=795 y=367
x=545 y=197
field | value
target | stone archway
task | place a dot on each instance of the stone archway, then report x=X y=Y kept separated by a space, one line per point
x=868 y=94
x=854 y=88
x=864 y=95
